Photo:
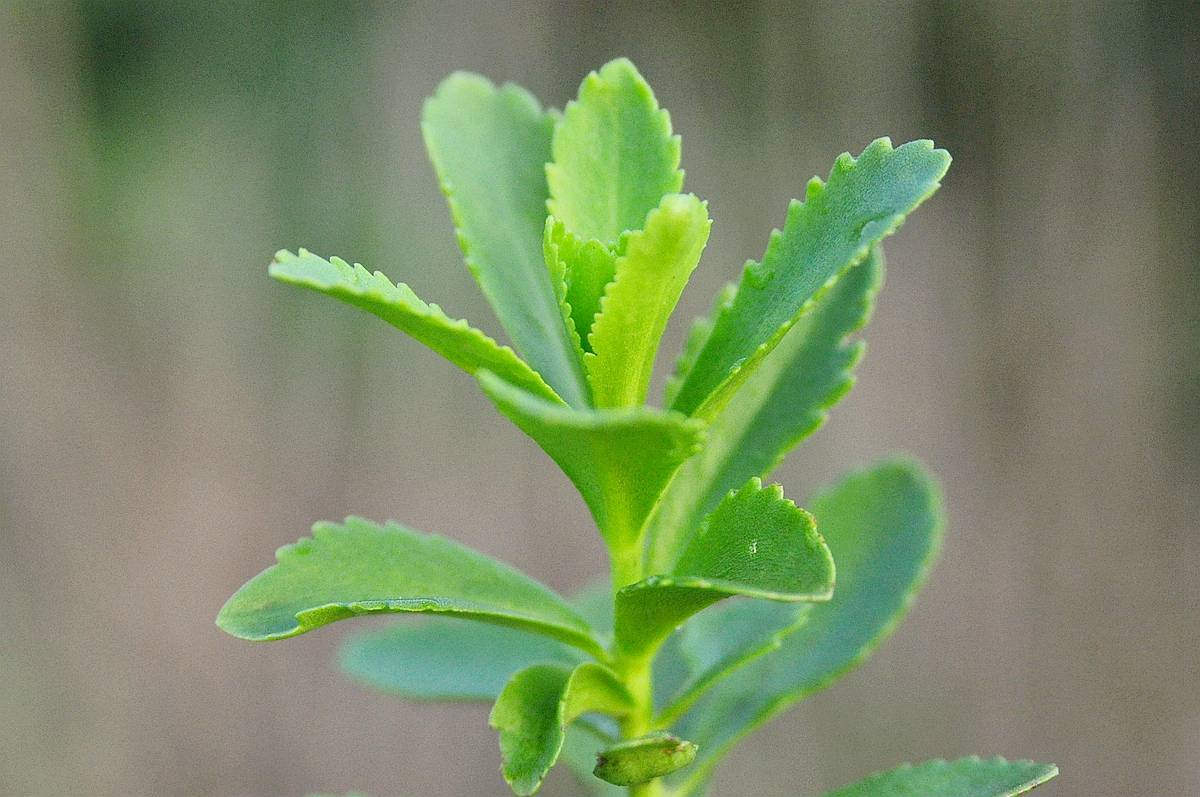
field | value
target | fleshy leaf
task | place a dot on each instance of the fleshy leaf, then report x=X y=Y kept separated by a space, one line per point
x=966 y=777
x=579 y=754
x=756 y=543
x=649 y=276
x=536 y=707
x=784 y=401
x=614 y=156
x=722 y=639
x=489 y=147
x=584 y=269
x=454 y=339
x=883 y=526
x=364 y=568
x=635 y=761
x=620 y=460
x=863 y=201
x=444 y=659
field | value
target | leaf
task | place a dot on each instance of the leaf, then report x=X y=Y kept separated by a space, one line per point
x=722 y=639
x=966 y=777
x=584 y=268
x=456 y=340
x=489 y=147
x=649 y=276
x=364 y=568
x=635 y=761
x=620 y=460
x=614 y=156
x=445 y=659
x=756 y=543
x=864 y=201
x=535 y=709
x=883 y=526
x=783 y=402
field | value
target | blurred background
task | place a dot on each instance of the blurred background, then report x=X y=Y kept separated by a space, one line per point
x=168 y=415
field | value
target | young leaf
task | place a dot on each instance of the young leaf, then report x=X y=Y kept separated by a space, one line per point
x=651 y=272
x=614 y=156
x=444 y=659
x=456 y=340
x=635 y=761
x=966 y=777
x=783 y=402
x=883 y=526
x=864 y=201
x=489 y=147
x=721 y=640
x=755 y=543
x=579 y=754
x=364 y=568
x=535 y=708
x=584 y=269
x=619 y=459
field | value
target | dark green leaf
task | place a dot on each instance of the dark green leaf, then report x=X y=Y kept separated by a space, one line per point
x=364 y=568
x=864 y=201
x=883 y=526
x=784 y=401
x=456 y=340
x=966 y=777
x=756 y=543
x=620 y=460
x=536 y=707
x=489 y=147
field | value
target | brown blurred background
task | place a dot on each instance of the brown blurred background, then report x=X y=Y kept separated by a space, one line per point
x=168 y=415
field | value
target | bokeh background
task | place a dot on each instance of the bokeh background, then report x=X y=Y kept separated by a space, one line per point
x=168 y=415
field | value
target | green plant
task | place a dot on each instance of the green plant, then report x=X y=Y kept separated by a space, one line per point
x=722 y=608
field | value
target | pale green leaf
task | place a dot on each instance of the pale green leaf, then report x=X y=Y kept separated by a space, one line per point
x=756 y=543
x=649 y=276
x=579 y=754
x=445 y=659
x=620 y=460
x=614 y=156
x=863 y=201
x=719 y=641
x=489 y=147
x=584 y=269
x=883 y=526
x=536 y=707
x=643 y=759
x=966 y=777
x=784 y=401
x=454 y=339
x=365 y=568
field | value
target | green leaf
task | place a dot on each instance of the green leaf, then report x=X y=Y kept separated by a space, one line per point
x=883 y=526
x=635 y=761
x=864 y=201
x=584 y=269
x=364 y=568
x=614 y=156
x=579 y=754
x=536 y=707
x=445 y=659
x=620 y=460
x=756 y=543
x=719 y=641
x=649 y=276
x=784 y=401
x=966 y=777
x=489 y=147
x=456 y=340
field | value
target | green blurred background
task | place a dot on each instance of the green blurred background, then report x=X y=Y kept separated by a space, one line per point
x=168 y=415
